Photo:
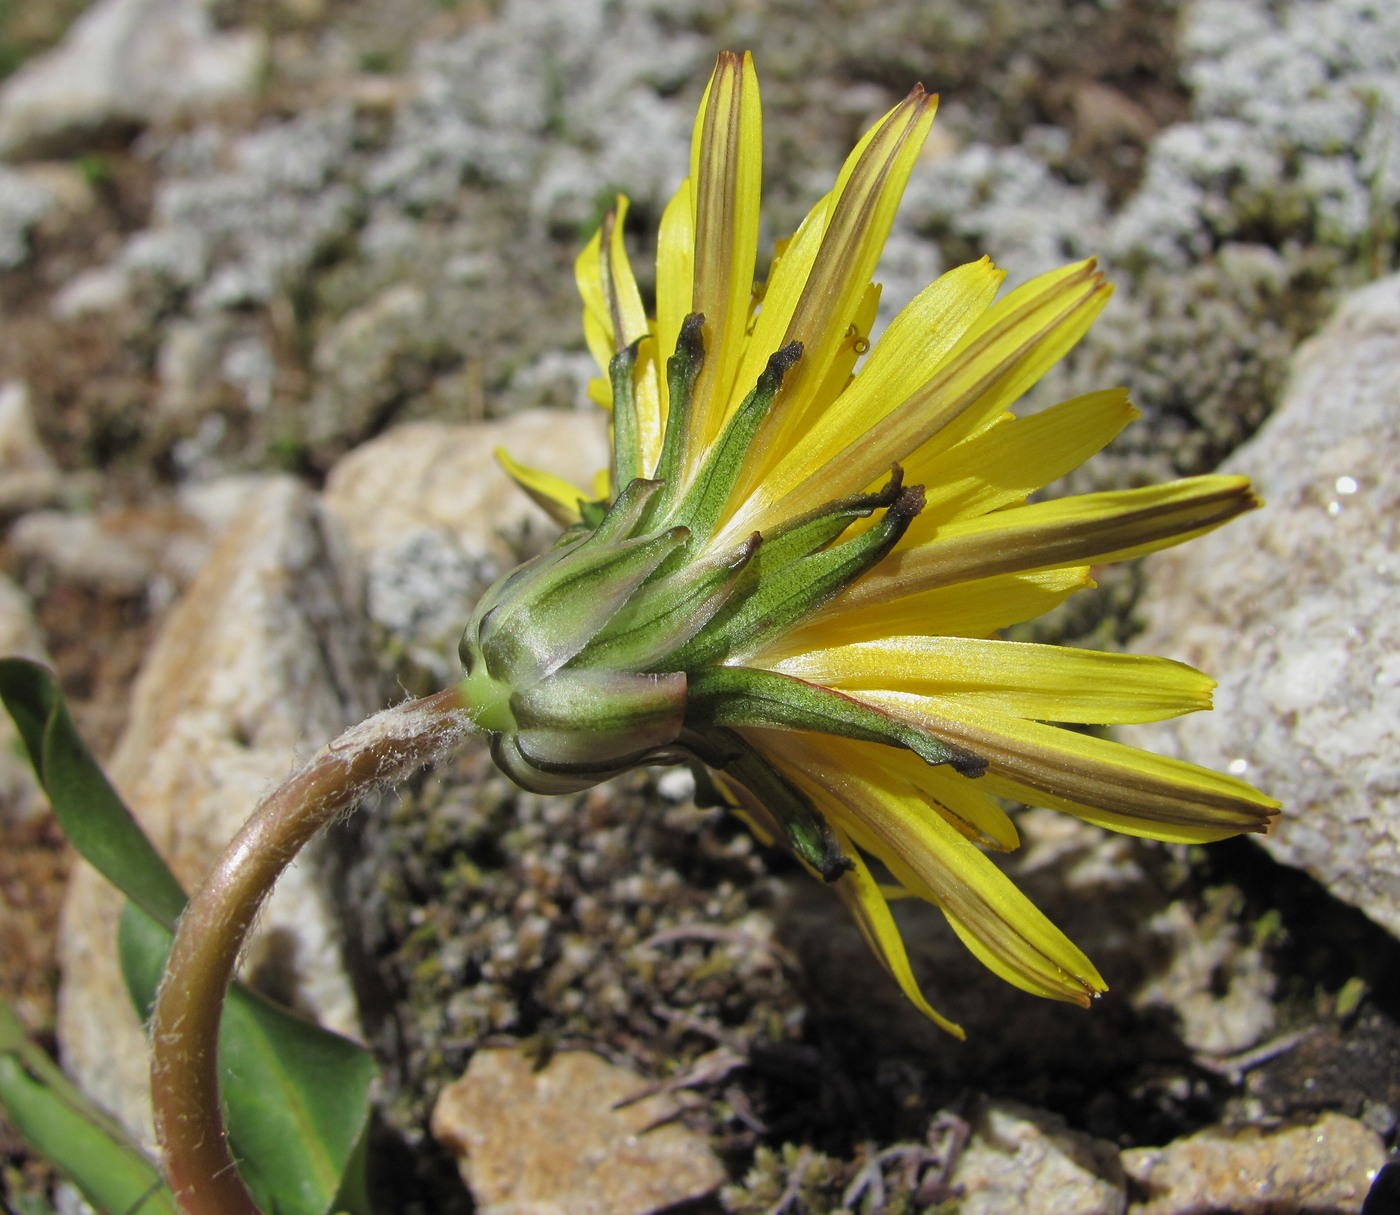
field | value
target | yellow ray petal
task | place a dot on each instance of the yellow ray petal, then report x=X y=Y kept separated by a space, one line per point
x=1043 y=682
x=675 y=280
x=553 y=495
x=963 y=803
x=862 y=210
x=1003 y=352
x=726 y=167
x=792 y=266
x=1005 y=463
x=854 y=343
x=1098 y=528
x=1095 y=778
x=607 y=285
x=866 y=901
x=965 y=609
x=1007 y=932
x=614 y=318
x=907 y=354
x=787 y=276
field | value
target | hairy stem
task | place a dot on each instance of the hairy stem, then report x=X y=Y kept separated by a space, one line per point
x=185 y=1027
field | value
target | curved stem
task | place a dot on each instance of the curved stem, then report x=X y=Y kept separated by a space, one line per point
x=185 y=1027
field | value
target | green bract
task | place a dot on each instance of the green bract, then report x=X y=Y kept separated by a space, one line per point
x=625 y=643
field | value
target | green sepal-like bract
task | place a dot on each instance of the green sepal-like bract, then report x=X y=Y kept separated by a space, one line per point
x=682 y=370
x=705 y=500
x=624 y=644
x=626 y=447
x=745 y=696
x=779 y=594
x=577 y=723
x=784 y=808
x=648 y=631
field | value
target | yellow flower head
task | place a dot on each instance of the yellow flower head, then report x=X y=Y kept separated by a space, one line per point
x=803 y=551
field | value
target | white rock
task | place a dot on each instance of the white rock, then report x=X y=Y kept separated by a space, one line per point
x=23 y=203
x=98 y=290
x=1217 y=983
x=1293 y=609
x=1022 y=1161
x=85 y=549
x=435 y=519
x=124 y=63
x=262 y=662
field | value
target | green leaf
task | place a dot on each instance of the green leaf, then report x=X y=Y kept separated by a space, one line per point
x=296 y=1096
x=68 y=1131
x=87 y=807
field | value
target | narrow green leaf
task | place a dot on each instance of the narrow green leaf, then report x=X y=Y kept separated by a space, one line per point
x=68 y=1131
x=91 y=814
x=297 y=1096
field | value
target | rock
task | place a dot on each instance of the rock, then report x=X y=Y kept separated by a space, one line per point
x=122 y=65
x=263 y=660
x=1293 y=609
x=23 y=203
x=1217 y=983
x=21 y=800
x=1029 y=1162
x=85 y=549
x=1327 y=1165
x=153 y=550
x=369 y=362
x=29 y=478
x=248 y=231
x=556 y=1140
x=435 y=519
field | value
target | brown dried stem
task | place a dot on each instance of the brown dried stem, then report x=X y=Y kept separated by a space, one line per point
x=185 y=1027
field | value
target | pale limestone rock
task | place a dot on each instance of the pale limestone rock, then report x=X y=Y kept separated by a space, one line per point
x=1293 y=609
x=153 y=550
x=29 y=478
x=89 y=550
x=1327 y=1165
x=374 y=356
x=1021 y=1161
x=122 y=64
x=1217 y=983
x=435 y=520
x=554 y=1141
x=262 y=662
x=20 y=637
x=24 y=202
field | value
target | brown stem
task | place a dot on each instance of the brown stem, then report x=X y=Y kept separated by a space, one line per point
x=185 y=1027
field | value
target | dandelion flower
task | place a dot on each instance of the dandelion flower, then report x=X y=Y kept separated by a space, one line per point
x=797 y=566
